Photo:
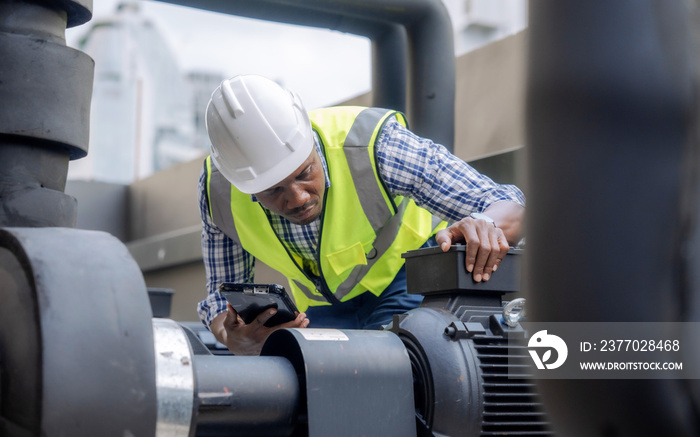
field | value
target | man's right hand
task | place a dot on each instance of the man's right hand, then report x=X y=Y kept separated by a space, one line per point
x=241 y=339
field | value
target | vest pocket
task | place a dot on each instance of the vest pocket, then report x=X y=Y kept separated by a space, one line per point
x=347 y=258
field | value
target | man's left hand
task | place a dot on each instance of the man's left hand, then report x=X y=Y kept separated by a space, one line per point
x=486 y=245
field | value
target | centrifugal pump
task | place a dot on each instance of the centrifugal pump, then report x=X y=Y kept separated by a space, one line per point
x=467 y=347
x=81 y=355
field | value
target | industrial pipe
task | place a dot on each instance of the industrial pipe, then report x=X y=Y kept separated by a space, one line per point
x=413 y=49
x=45 y=90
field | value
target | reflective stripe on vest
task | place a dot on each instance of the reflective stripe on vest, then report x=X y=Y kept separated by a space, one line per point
x=375 y=203
x=219 y=193
x=358 y=253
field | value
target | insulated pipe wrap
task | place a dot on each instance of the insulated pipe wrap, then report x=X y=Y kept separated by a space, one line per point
x=45 y=93
x=32 y=180
x=76 y=335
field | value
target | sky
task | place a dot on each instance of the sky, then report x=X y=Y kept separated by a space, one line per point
x=324 y=67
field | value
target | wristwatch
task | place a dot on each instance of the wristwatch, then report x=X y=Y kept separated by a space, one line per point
x=484 y=217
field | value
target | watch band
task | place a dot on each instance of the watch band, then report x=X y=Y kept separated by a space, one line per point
x=484 y=217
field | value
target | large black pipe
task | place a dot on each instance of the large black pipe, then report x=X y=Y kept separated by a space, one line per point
x=412 y=42
x=610 y=101
x=246 y=396
x=76 y=341
x=45 y=90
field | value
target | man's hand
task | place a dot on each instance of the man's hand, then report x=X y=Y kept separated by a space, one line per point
x=487 y=243
x=241 y=339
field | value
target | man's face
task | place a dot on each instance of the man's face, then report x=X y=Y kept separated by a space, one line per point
x=299 y=197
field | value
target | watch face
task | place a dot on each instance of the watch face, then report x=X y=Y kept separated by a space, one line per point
x=477 y=216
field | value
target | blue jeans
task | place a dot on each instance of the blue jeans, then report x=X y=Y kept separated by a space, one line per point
x=368 y=311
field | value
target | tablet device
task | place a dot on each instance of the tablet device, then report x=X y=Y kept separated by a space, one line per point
x=249 y=300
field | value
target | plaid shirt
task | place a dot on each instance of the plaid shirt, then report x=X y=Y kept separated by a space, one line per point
x=409 y=165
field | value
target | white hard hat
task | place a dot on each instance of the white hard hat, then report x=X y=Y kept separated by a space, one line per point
x=260 y=132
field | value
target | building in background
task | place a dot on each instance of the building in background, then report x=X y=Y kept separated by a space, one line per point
x=144 y=112
x=201 y=85
x=478 y=22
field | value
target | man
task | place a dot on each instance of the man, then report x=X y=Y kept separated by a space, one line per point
x=331 y=199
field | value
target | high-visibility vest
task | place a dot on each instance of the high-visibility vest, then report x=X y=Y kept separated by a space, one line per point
x=364 y=230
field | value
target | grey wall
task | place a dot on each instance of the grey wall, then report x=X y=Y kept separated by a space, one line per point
x=102 y=207
x=490 y=99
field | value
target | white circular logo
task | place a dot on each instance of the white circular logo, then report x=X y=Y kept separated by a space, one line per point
x=547 y=341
